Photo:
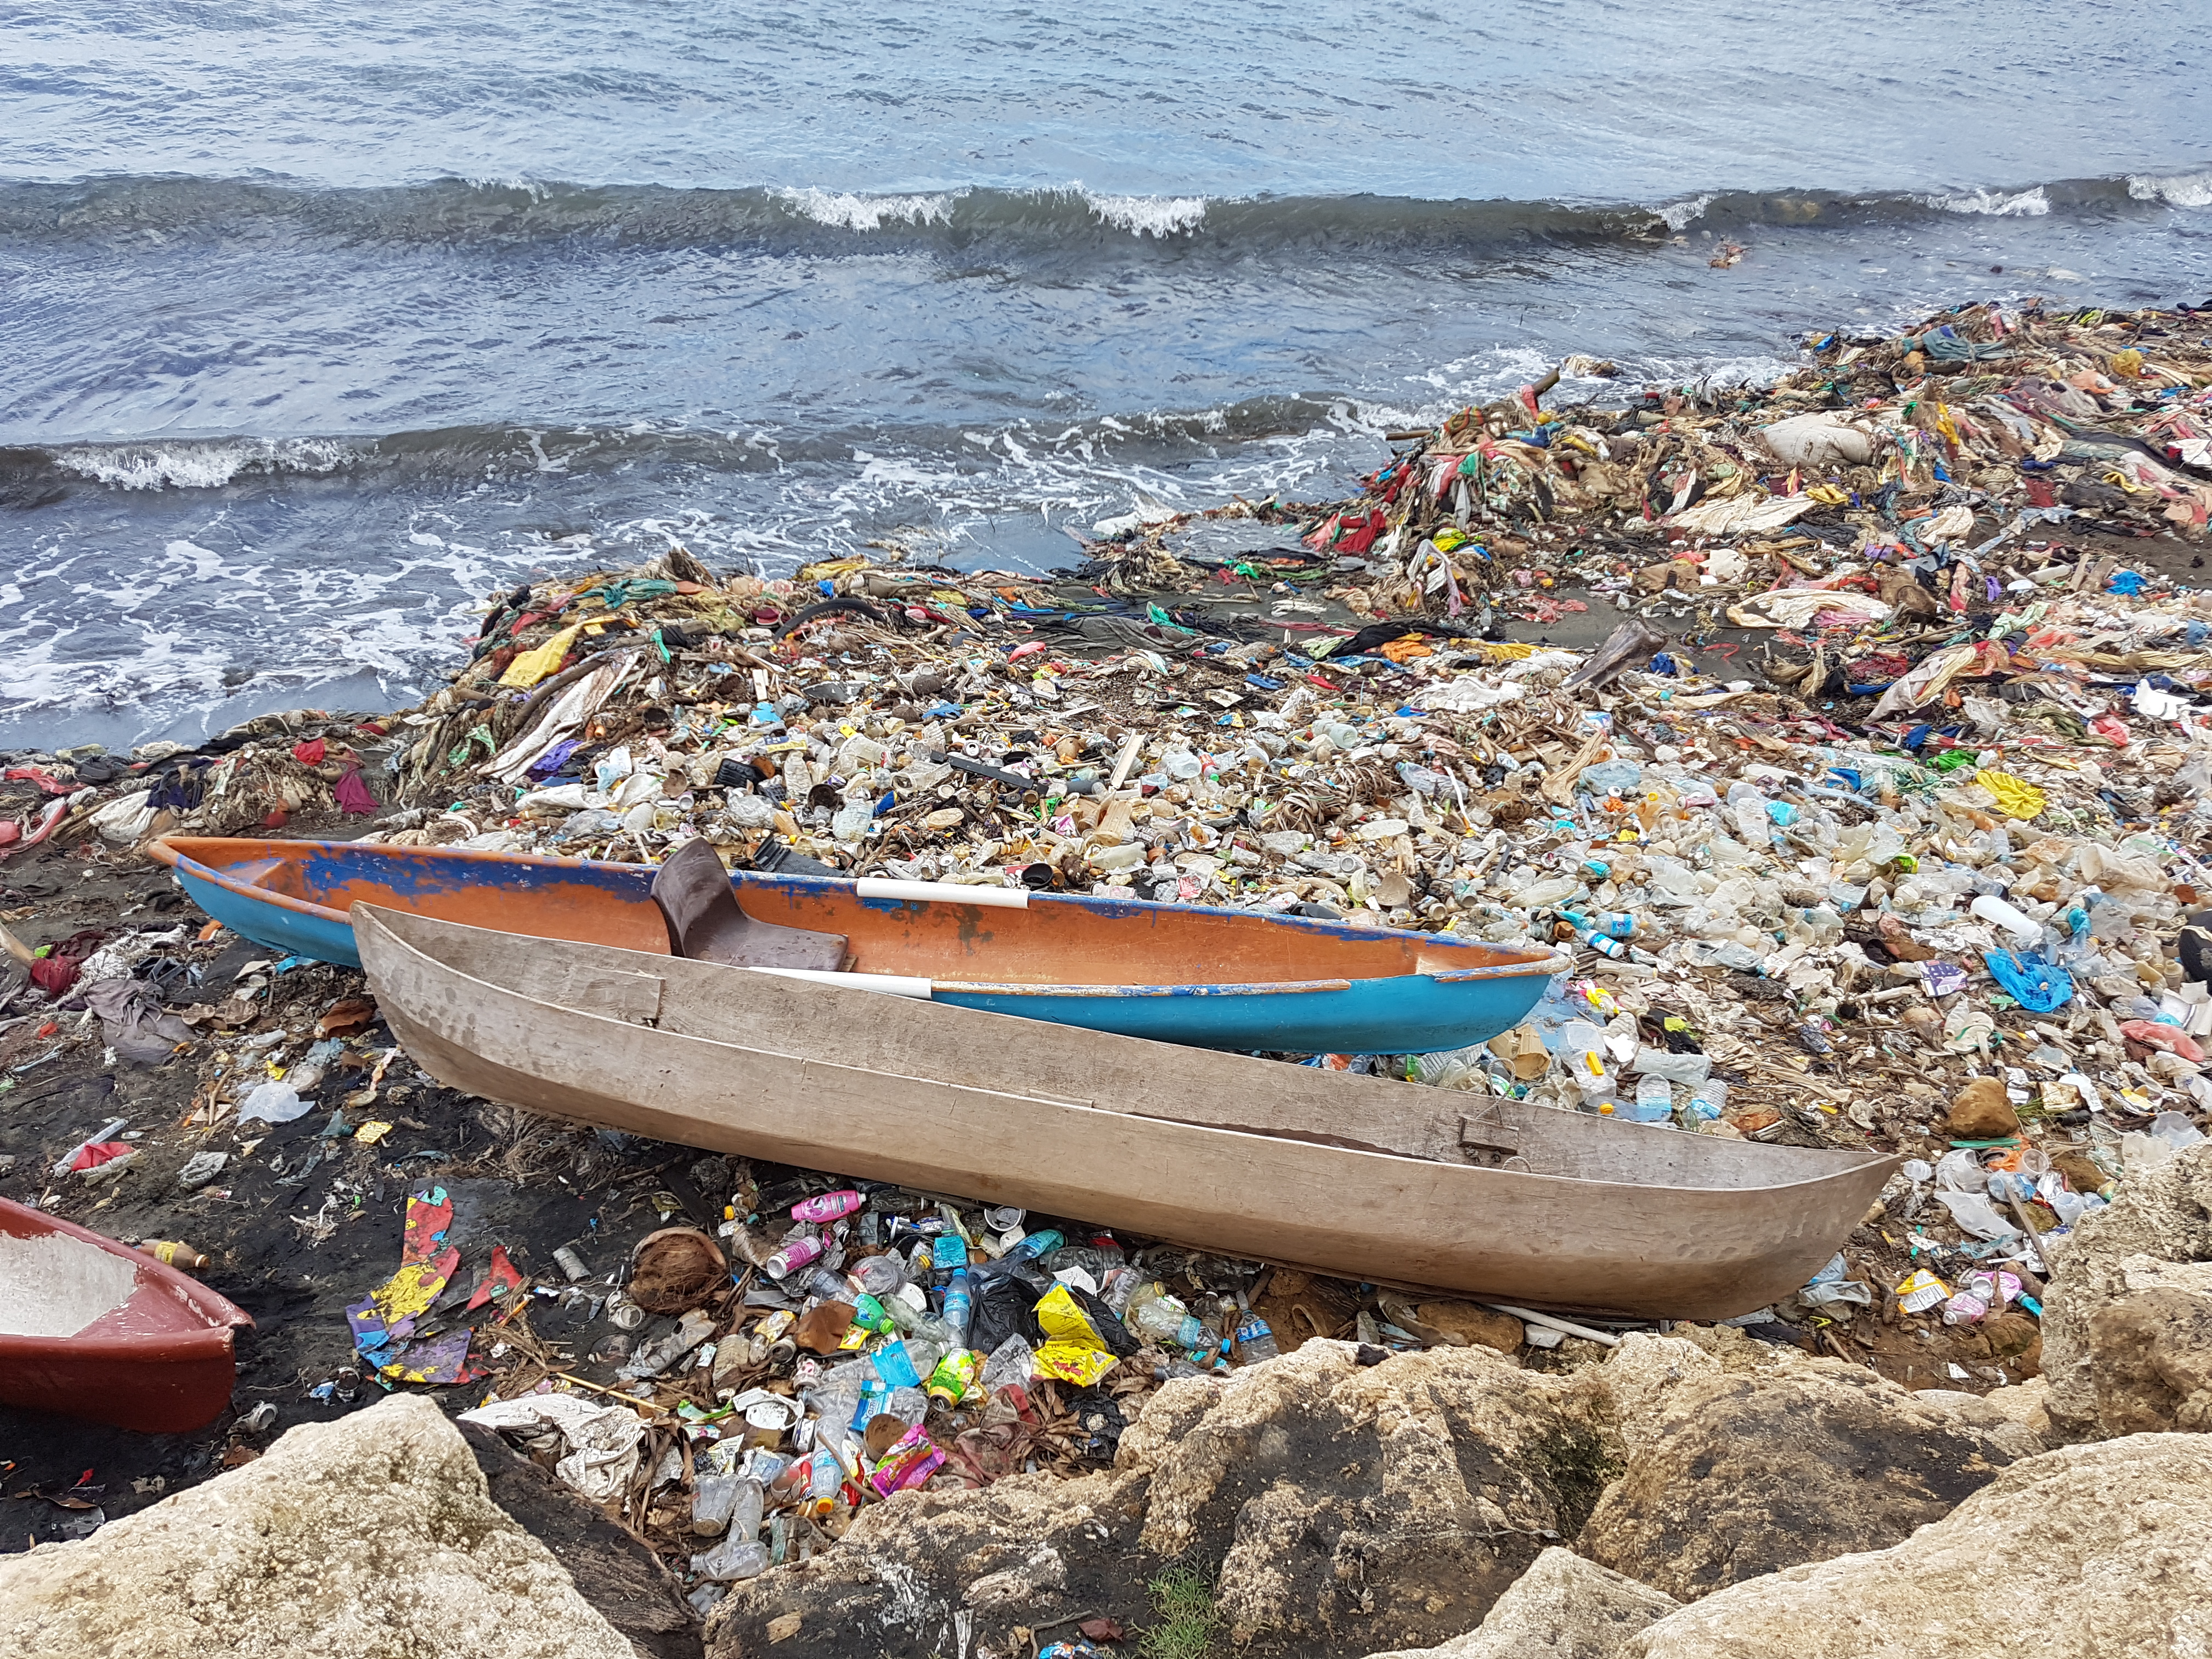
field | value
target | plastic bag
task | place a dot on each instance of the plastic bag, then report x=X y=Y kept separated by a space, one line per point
x=1975 y=1214
x=1005 y=1307
x=273 y=1102
x=1831 y=1285
x=2037 y=984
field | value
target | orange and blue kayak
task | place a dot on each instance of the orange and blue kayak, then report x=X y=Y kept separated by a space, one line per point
x=1206 y=977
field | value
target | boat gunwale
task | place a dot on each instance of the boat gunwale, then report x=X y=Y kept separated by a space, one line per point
x=1858 y=1162
x=225 y=1318
x=1545 y=964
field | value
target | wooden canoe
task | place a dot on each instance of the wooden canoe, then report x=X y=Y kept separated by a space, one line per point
x=92 y=1330
x=1176 y=972
x=1362 y=1176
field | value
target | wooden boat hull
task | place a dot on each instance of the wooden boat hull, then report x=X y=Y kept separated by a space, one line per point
x=158 y=1356
x=1184 y=974
x=1299 y=1165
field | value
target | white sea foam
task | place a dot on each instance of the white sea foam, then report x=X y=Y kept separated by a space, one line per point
x=1996 y=205
x=1148 y=215
x=200 y=464
x=2192 y=190
x=848 y=210
x=1680 y=215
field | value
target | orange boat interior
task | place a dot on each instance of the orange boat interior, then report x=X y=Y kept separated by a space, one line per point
x=1055 y=941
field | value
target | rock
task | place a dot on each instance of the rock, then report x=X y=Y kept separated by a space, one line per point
x=1394 y=1503
x=370 y=1535
x=612 y=1571
x=2027 y=1404
x=1740 y=1473
x=2086 y=1552
x=1980 y=1111
x=2150 y=1349
x=1563 y=1607
x=1502 y=1331
x=2081 y=1173
x=1347 y=1507
x=925 y=1568
x=2142 y=1245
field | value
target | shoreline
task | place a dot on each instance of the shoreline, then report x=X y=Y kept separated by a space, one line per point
x=1416 y=772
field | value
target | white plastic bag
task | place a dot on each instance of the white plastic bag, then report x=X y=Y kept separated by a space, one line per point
x=1975 y=1214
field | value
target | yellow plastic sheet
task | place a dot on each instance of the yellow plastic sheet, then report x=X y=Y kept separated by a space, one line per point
x=2017 y=797
x=531 y=666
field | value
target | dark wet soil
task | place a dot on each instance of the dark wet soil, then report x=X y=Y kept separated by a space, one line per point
x=301 y=1223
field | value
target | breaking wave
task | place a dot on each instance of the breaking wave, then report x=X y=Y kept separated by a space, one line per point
x=464 y=211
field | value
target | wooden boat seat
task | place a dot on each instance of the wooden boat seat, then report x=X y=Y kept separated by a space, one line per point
x=706 y=923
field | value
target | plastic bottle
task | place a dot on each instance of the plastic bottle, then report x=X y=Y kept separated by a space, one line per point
x=869 y=1314
x=959 y=1303
x=1655 y=1100
x=795 y=1253
x=175 y=1252
x=1036 y=1245
x=1615 y=924
x=731 y=1560
x=1747 y=810
x=1691 y=1069
x=1992 y=909
x=1708 y=1099
x=1254 y=1339
x=1162 y=1318
x=824 y=1475
x=827 y=1206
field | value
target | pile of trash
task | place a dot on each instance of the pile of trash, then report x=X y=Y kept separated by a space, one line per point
x=1895 y=479
x=836 y=1348
x=1924 y=876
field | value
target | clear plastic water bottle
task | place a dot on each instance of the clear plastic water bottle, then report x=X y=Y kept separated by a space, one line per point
x=1655 y=1100
x=1708 y=1099
x=959 y=1303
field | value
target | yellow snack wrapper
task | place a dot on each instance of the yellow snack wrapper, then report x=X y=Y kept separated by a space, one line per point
x=1063 y=1320
x=1071 y=1362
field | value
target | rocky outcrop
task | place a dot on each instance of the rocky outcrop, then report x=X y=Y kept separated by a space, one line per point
x=1339 y=1508
x=2096 y=1551
x=2127 y=1331
x=1563 y=1607
x=1348 y=1508
x=1733 y=1473
x=2128 y=1317
x=366 y=1537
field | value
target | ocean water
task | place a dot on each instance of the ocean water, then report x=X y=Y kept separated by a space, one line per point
x=317 y=323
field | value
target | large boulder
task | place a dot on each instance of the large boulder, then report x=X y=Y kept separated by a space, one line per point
x=939 y=1571
x=1563 y=1607
x=1339 y=1508
x=2095 y=1551
x=2127 y=1331
x=1736 y=1472
x=363 y=1539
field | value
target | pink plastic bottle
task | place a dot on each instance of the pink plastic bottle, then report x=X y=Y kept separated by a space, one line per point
x=828 y=1206
x=796 y=1253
